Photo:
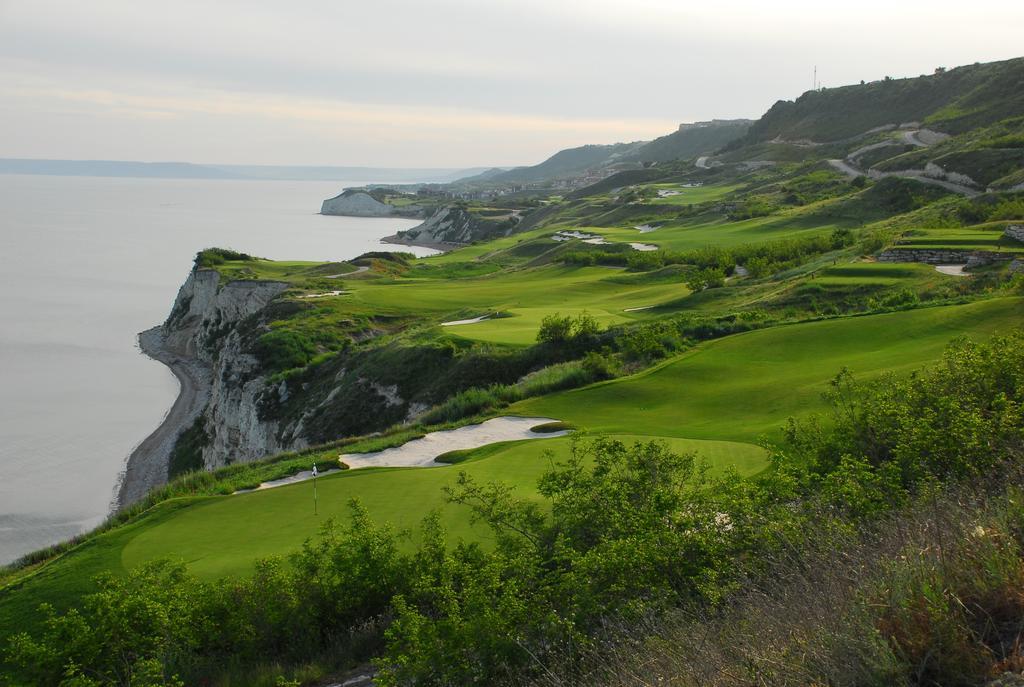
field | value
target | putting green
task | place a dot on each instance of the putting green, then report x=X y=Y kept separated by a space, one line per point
x=224 y=535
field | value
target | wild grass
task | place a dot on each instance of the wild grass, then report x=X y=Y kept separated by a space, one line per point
x=931 y=595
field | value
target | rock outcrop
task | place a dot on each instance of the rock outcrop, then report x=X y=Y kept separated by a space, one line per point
x=203 y=325
x=454 y=225
x=355 y=203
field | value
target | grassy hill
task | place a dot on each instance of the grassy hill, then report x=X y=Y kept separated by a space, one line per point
x=691 y=140
x=953 y=101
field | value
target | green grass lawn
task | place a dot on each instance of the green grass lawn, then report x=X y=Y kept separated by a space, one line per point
x=687 y=196
x=745 y=386
x=875 y=273
x=683 y=235
x=223 y=535
x=991 y=239
x=730 y=391
x=527 y=295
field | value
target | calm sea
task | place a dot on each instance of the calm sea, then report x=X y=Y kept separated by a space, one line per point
x=85 y=264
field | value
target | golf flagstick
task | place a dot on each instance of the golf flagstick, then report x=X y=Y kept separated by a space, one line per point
x=314 y=490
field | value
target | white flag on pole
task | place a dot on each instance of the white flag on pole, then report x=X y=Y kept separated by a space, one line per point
x=314 y=469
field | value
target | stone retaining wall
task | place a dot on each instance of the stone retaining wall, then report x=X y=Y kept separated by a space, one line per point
x=942 y=257
x=1015 y=231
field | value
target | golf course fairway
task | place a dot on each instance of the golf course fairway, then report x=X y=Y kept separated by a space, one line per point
x=716 y=400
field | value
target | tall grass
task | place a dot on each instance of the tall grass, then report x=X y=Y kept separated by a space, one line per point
x=479 y=400
x=933 y=595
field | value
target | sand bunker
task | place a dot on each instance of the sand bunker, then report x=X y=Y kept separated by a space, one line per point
x=325 y=294
x=643 y=246
x=586 y=238
x=952 y=270
x=472 y=320
x=292 y=479
x=422 y=452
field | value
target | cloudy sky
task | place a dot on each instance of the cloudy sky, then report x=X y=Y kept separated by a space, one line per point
x=443 y=83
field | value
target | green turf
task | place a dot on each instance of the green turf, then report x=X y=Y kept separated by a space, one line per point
x=690 y=234
x=217 y=537
x=734 y=389
x=687 y=196
x=966 y=239
x=745 y=386
x=526 y=295
x=875 y=273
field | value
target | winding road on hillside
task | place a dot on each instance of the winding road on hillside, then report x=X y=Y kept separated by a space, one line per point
x=852 y=172
x=921 y=138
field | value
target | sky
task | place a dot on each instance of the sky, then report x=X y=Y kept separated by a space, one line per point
x=440 y=83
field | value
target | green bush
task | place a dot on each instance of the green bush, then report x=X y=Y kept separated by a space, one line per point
x=211 y=257
x=284 y=349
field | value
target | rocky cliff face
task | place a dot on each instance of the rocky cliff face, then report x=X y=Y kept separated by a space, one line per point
x=362 y=204
x=203 y=325
x=455 y=225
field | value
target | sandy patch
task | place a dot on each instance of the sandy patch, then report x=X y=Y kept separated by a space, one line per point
x=422 y=452
x=952 y=270
x=472 y=320
x=297 y=477
x=325 y=294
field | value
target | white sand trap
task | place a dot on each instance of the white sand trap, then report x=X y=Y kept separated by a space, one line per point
x=586 y=238
x=642 y=307
x=667 y=192
x=472 y=320
x=297 y=477
x=422 y=452
x=325 y=294
x=646 y=228
x=952 y=270
x=643 y=246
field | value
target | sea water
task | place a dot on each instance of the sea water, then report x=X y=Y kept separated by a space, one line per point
x=85 y=264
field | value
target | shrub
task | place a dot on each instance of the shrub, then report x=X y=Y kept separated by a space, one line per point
x=572 y=332
x=211 y=257
x=284 y=349
x=708 y=278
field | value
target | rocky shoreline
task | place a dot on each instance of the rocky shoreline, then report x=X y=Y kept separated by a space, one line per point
x=147 y=465
x=444 y=247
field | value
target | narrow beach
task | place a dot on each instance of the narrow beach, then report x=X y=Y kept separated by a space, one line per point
x=147 y=464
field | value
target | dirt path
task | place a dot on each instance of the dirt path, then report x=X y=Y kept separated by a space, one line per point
x=923 y=138
x=147 y=464
x=851 y=171
x=357 y=270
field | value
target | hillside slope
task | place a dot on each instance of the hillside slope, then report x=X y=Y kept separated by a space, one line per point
x=951 y=101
